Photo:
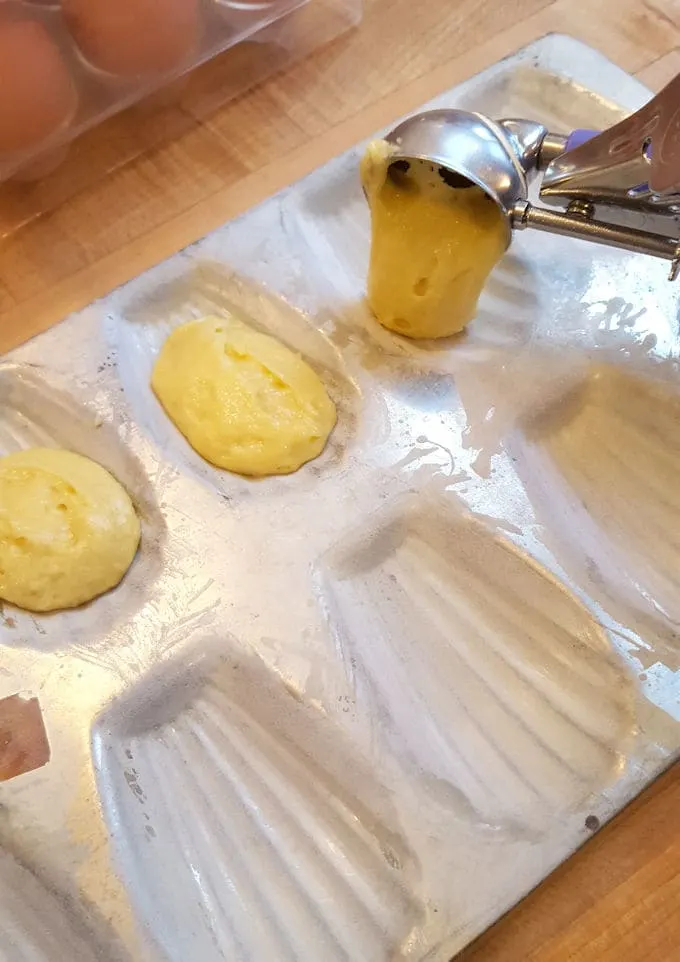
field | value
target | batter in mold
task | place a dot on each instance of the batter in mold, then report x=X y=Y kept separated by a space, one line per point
x=243 y=400
x=433 y=245
x=68 y=529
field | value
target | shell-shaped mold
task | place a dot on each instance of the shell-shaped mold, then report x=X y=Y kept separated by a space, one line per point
x=141 y=325
x=34 y=413
x=601 y=468
x=34 y=925
x=490 y=677
x=243 y=832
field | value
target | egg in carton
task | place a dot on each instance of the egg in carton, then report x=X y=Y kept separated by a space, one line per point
x=66 y=66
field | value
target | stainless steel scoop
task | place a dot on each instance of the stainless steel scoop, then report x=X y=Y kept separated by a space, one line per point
x=611 y=184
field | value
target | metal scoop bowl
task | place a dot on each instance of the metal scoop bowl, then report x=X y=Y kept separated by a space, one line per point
x=501 y=156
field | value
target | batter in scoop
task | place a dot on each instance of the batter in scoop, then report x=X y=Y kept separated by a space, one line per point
x=243 y=400
x=68 y=530
x=433 y=245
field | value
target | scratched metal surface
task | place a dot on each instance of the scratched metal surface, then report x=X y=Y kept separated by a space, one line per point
x=358 y=712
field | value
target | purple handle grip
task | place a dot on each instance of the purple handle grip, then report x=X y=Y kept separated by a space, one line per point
x=578 y=137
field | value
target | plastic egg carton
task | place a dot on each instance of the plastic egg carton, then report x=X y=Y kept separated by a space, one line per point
x=71 y=64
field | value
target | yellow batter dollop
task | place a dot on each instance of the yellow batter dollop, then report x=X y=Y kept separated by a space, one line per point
x=432 y=249
x=68 y=530
x=243 y=400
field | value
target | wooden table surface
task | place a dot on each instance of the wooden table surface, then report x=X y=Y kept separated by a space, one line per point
x=618 y=899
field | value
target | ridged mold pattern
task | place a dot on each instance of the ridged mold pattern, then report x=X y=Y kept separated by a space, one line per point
x=233 y=839
x=601 y=468
x=34 y=925
x=490 y=677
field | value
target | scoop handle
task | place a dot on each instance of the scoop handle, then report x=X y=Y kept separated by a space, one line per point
x=556 y=145
x=526 y=215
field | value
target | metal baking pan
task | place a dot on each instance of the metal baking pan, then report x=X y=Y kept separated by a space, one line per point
x=358 y=712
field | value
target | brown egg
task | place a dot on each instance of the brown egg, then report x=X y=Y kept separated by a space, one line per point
x=133 y=37
x=37 y=92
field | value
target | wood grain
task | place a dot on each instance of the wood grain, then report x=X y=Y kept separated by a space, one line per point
x=616 y=900
x=183 y=169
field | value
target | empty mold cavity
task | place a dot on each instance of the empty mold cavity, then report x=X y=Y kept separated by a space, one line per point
x=600 y=466
x=245 y=828
x=488 y=675
x=35 y=926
